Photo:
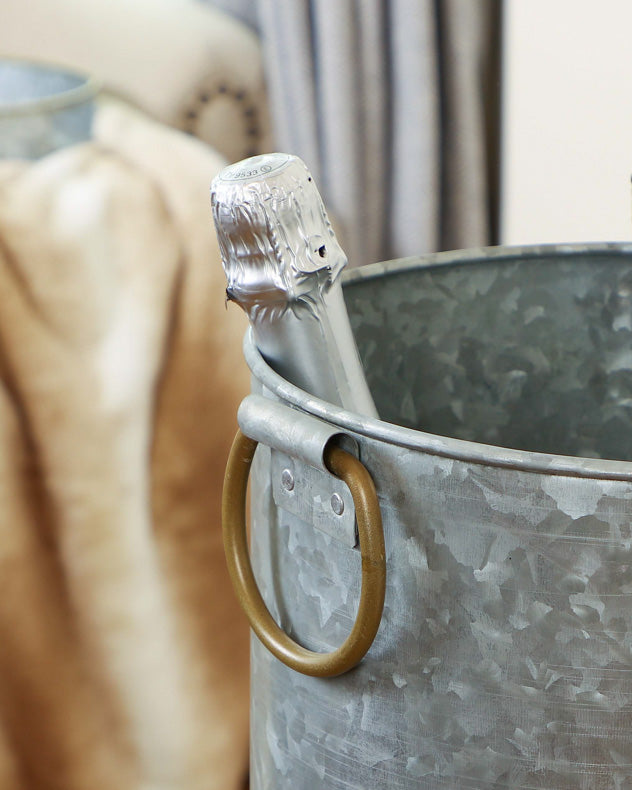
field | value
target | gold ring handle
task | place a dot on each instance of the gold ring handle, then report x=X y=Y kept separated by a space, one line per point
x=371 y=539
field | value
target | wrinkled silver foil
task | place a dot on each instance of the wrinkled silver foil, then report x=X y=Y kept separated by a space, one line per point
x=283 y=264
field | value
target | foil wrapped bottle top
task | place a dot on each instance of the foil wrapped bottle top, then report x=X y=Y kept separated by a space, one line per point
x=283 y=264
x=276 y=240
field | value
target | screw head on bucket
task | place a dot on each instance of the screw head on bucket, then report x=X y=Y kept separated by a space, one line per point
x=287 y=480
x=337 y=504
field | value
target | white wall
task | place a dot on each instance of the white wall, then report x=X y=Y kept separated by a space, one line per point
x=567 y=121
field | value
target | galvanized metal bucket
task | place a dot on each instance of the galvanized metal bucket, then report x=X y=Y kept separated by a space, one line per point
x=502 y=465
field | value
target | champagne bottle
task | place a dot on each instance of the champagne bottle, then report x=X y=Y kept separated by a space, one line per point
x=283 y=265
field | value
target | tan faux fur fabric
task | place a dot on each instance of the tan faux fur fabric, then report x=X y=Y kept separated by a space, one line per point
x=123 y=657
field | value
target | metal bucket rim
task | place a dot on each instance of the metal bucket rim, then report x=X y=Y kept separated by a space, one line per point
x=434 y=444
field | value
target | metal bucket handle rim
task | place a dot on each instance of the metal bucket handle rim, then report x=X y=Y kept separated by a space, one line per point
x=433 y=444
x=372 y=549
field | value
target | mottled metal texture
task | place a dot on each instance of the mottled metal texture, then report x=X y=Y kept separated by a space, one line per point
x=286 y=430
x=504 y=658
x=42 y=108
x=532 y=351
x=315 y=497
x=301 y=483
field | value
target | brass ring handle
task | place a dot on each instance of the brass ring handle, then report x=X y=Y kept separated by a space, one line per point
x=371 y=539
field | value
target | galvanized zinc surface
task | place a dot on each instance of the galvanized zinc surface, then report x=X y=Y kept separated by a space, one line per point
x=530 y=351
x=504 y=655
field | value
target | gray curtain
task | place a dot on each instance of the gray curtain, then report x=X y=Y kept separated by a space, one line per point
x=393 y=105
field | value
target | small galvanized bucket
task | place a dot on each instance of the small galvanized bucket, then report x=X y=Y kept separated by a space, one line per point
x=502 y=464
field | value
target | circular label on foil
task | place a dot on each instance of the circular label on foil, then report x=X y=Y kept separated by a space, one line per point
x=256 y=167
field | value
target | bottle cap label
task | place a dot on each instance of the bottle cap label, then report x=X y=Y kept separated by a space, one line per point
x=255 y=168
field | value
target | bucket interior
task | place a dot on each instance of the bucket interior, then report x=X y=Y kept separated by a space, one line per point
x=531 y=352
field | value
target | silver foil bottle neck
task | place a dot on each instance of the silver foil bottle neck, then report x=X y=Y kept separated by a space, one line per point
x=276 y=241
x=283 y=264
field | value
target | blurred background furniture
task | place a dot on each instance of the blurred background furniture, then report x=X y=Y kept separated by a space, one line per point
x=393 y=106
x=123 y=658
x=189 y=66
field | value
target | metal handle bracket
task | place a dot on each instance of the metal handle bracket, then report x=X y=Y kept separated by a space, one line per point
x=371 y=539
x=300 y=481
x=287 y=430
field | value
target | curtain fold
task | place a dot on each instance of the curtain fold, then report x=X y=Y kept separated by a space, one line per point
x=290 y=70
x=471 y=88
x=415 y=140
x=393 y=106
x=376 y=114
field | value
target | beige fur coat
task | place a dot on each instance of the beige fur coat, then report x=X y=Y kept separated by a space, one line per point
x=123 y=658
